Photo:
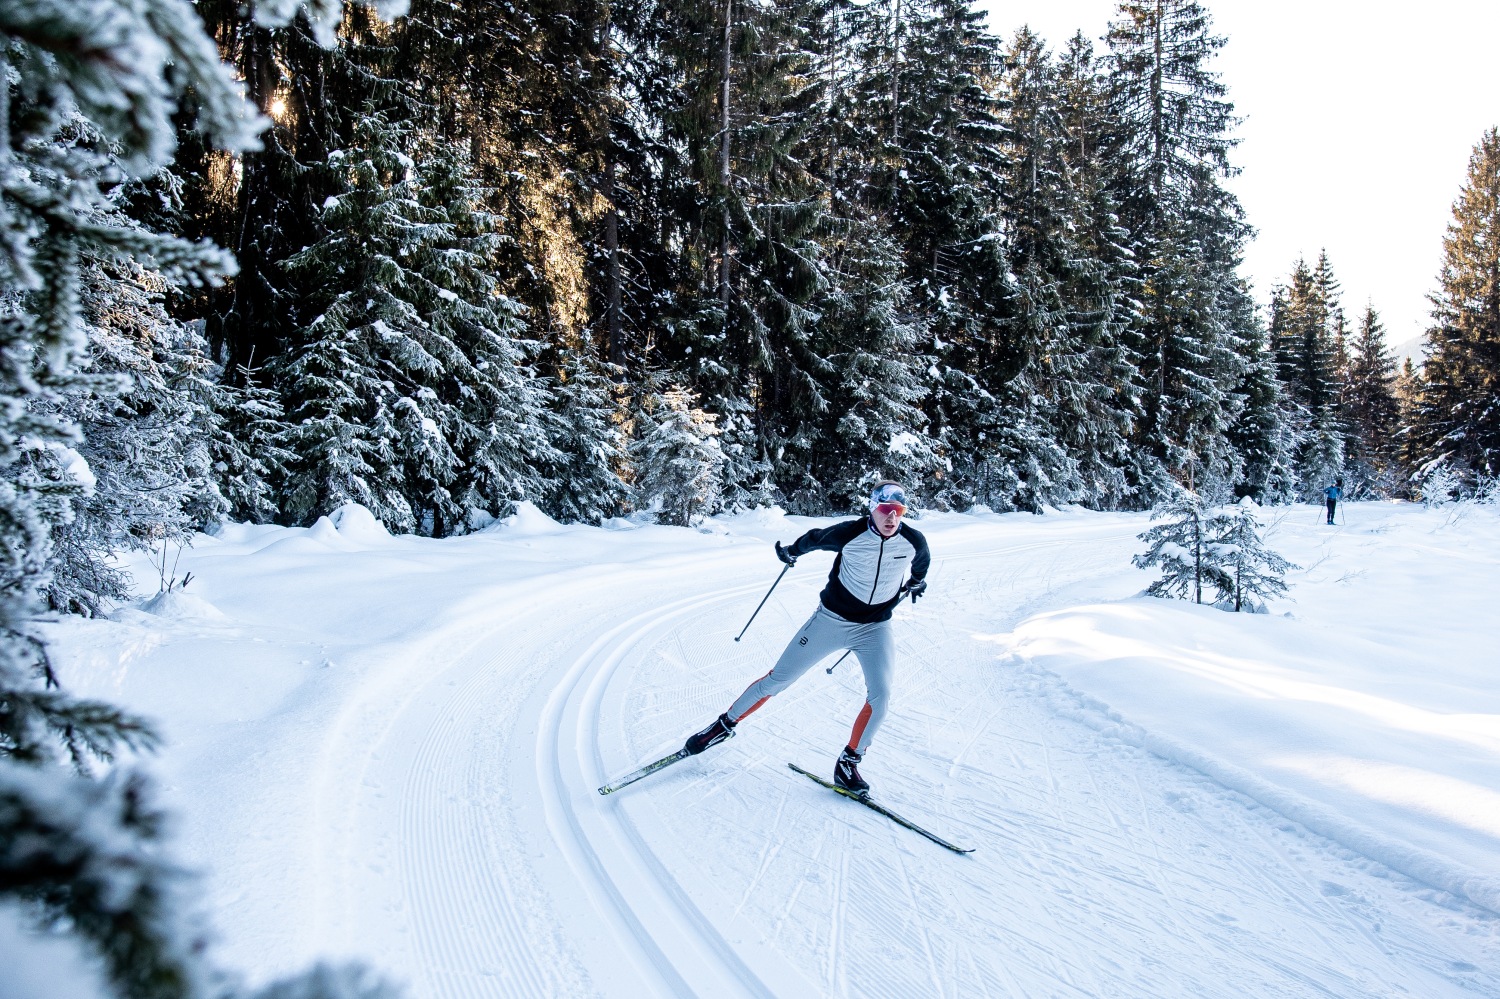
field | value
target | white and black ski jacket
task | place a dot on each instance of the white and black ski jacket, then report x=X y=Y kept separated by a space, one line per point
x=865 y=583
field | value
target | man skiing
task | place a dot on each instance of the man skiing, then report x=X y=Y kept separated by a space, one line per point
x=1333 y=494
x=875 y=554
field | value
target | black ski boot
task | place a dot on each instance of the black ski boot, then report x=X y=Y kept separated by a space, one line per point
x=846 y=773
x=721 y=729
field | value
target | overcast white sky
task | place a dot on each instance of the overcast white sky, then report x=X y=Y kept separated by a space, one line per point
x=1359 y=121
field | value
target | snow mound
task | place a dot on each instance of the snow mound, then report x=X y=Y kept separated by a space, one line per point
x=356 y=523
x=762 y=518
x=324 y=531
x=244 y=533
x=178 y=605
x=528 y=519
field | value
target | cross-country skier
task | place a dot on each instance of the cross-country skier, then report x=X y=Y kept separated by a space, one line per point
x=875 y=555
x=1333 y=494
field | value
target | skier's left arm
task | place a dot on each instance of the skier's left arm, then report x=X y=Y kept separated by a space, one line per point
x=920 y=561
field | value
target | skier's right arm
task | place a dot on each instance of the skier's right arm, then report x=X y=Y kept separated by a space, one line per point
x=827 y=539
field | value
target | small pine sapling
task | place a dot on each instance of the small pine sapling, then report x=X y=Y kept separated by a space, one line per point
x=1181 y=547
x=1256 y=571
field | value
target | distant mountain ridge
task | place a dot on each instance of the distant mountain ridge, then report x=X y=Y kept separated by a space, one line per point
x=1410 y=348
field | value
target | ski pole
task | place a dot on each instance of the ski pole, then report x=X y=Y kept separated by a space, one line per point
x=761 y=604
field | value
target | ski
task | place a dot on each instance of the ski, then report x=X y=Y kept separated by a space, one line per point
x=876 y=806
x=645 y=771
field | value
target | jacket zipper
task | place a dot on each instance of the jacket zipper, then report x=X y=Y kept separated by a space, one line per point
x=878 y=560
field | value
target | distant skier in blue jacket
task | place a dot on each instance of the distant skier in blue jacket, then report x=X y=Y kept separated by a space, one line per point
x=1333 y=494
x=879 y=560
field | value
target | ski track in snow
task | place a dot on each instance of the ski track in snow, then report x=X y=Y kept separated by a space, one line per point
x=466 y=839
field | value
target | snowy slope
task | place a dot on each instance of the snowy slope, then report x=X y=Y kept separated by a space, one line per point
x=1369 y=711
x=388 y=748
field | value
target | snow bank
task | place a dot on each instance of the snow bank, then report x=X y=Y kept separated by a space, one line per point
x=356 y=523
x=178 y=605
x=528 y=519
x=1369 y=714
x=758 y=521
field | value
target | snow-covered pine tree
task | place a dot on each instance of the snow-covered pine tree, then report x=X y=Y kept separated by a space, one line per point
x=405 y=392
x=144 y=409
x=1306 y=334
x=1182 y=547
x=1263 y=434
x=586 y=426
x=1257 y=573
x=1322 y=459
x=1069 y=323
x=87 y=97
x=769 y=262
x=1170 y=154
x=1331 y=292
x=1458 y=418
x=489 y=379
x=1097 y=422
x=1371 y=411
x=1409 y=450
x=72 y=129
x=863 y=419
x=247 y=461
x=923 y=148
x=679 y=465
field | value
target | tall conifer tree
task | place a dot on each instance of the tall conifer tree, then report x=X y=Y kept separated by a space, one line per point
x=1370 y=408
x=1459 y=414
x=1171 y=152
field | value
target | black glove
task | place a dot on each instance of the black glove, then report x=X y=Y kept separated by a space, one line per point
x=916 y=588
x=785 y=554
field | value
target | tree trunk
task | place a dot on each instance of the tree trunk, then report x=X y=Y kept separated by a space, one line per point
x=616 y=351
x=724 y=71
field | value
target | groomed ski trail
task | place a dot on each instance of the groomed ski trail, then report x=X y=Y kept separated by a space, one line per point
x=723 y=876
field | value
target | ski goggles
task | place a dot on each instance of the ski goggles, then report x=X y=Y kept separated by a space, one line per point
x=888 y=498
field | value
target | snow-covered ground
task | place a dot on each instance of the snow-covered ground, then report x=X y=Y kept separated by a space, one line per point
x=388 y=748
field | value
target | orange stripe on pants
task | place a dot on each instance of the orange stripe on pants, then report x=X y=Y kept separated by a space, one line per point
x=859 y=727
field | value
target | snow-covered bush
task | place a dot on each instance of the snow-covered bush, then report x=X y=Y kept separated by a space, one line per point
x=1487 y=491
x=1439 y=482
x=679 y=465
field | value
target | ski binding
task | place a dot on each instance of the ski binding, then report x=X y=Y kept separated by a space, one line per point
x=864 y=799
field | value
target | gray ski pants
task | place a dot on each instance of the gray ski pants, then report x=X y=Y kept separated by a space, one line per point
x=824 y=633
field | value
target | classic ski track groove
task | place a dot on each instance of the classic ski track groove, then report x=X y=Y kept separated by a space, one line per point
x=478 y=942
x=568 y=732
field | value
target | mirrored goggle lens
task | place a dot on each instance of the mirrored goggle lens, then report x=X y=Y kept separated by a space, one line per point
x=890 y=508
